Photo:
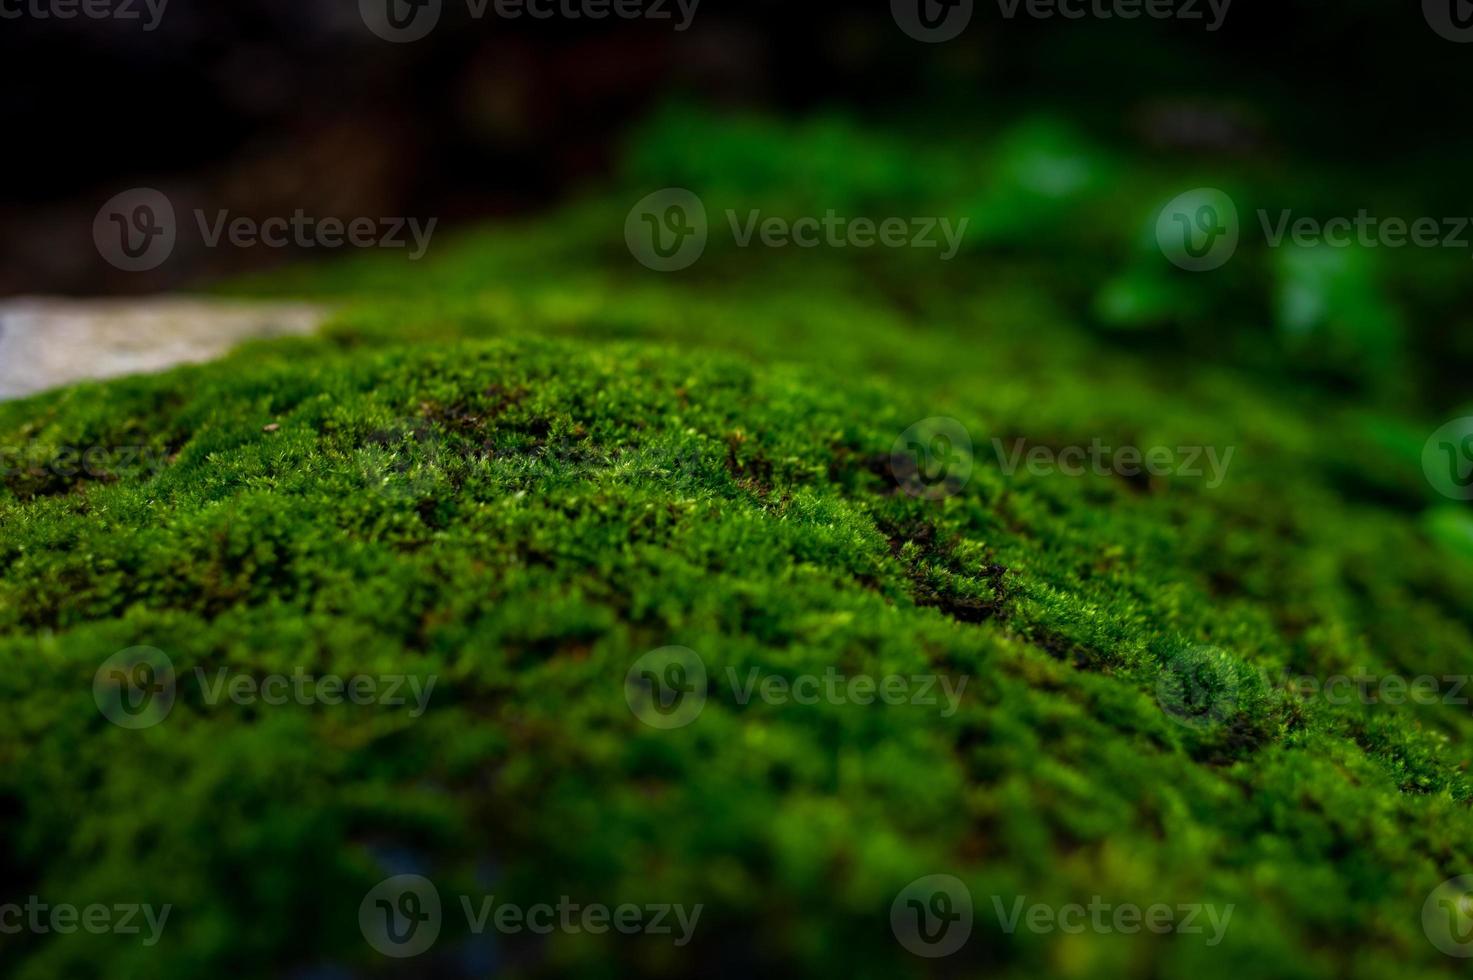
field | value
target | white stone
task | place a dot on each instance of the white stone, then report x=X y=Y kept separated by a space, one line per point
x=48 y=342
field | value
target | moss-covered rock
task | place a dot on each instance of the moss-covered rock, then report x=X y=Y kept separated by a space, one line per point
x=518 y=469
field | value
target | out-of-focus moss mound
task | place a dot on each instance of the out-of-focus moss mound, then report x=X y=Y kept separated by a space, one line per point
x=525 y=462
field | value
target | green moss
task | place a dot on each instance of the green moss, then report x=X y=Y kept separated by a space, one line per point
x=520 y=467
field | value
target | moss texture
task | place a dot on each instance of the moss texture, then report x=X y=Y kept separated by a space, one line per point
x=519 y=466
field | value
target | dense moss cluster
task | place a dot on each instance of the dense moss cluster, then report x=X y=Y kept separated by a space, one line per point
x=520 y=466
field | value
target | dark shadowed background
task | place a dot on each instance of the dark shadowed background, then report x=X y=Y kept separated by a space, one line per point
x=284 y=104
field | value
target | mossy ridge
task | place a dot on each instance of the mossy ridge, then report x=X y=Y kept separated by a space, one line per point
x=579 y=504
